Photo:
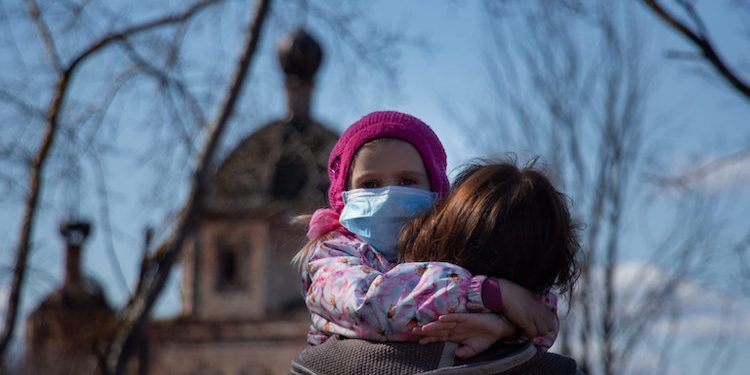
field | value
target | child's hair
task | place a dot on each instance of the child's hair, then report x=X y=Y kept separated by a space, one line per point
x=502 y=221
x=371 y=128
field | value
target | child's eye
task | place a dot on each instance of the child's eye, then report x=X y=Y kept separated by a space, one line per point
x=370 y=184
x=407 y=182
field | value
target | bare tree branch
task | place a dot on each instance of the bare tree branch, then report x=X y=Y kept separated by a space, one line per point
x=139 y=308
x=65 y=76
x=700 y=40
x=136 y=29
x=683 y=55
x=107 y=224
x=49 y=42
x=581 y=103
x=22 y=251
x=22 y=106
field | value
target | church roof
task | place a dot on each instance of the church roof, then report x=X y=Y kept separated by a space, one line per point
x=88 y=295
x=279 y=168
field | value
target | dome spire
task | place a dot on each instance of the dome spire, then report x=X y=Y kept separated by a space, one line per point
x=300 y=56
x=75 y=234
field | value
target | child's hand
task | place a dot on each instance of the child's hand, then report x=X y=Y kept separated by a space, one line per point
x=474 y=332
x=526 y=310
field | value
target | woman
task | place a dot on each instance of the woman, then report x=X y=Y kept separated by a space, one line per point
x=501 y=221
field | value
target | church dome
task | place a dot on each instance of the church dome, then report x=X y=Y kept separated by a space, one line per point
x=78 y=291
x=281 y=167
x=88 y=295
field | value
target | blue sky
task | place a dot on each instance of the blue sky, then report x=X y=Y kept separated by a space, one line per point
x=694 y=117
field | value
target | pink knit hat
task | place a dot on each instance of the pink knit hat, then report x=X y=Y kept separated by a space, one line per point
x=386 y=124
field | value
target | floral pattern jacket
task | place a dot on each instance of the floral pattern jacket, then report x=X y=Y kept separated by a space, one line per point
x=353 y=291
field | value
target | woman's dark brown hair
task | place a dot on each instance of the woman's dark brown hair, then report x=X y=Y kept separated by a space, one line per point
x=500 y=220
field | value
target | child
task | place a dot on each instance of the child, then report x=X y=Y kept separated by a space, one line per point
x=385 y=169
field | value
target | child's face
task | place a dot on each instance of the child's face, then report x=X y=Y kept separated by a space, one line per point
x=388 y=162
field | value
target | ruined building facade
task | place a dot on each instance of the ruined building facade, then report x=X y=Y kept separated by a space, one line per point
x=67 y=332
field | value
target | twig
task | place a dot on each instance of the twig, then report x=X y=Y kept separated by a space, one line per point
x=49 y=42
x=683 y=55
x=107 y=224
x=700 y=40
x=180 y=86
x=136 y=29
x=22 y=106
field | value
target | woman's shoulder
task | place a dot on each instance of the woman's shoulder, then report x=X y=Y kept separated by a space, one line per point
x=356 y=356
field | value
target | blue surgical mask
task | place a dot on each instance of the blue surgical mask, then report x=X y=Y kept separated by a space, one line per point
x=376 y=215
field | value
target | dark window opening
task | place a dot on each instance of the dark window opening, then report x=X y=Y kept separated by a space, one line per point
x=289 y=178
x=229 y=270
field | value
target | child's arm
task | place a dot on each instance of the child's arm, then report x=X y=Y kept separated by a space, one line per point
x=535 y=318
x=351 y=291
x=475 y=331
x=545 y=342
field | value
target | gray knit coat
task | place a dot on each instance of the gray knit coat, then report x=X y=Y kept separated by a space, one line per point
x=353 y=356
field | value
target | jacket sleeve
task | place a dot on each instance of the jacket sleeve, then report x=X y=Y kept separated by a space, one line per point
x=354 y=292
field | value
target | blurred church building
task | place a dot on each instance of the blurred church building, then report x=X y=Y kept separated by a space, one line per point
x=242 y=309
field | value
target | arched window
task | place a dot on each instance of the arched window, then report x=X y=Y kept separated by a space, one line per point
x=229 y=270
